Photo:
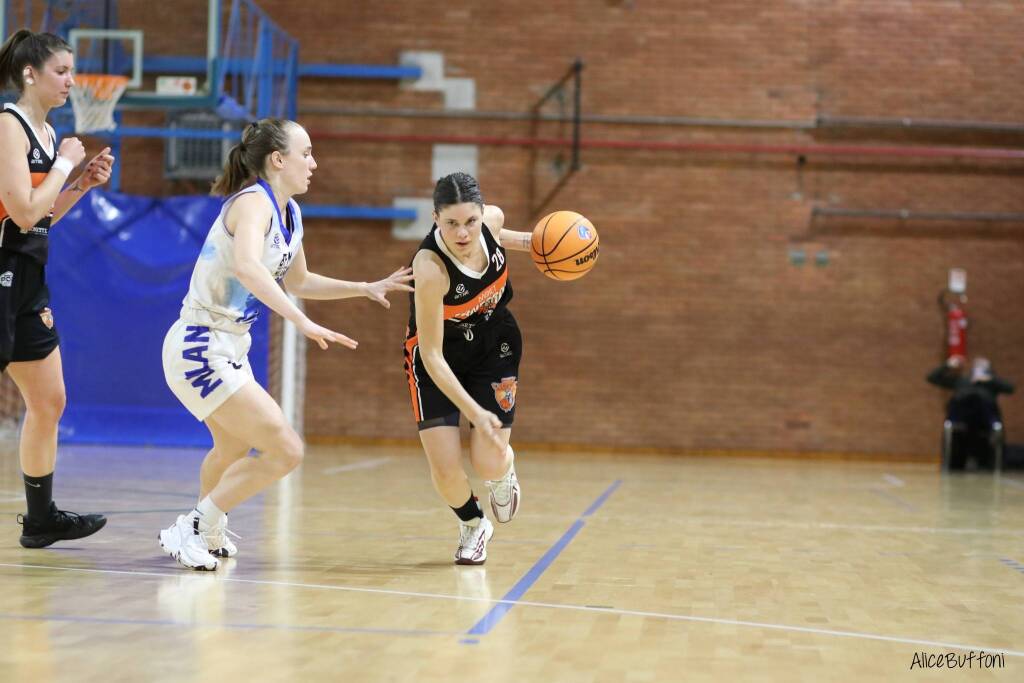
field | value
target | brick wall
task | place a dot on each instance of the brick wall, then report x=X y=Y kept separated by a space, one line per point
x=695 y=330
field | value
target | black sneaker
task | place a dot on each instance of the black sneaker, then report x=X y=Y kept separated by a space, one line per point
x=59 y=525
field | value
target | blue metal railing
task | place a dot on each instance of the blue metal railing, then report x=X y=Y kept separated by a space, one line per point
x=254 y=74
x=259 y=62
x=184 y=66
x=380 y=71
x=368 y=213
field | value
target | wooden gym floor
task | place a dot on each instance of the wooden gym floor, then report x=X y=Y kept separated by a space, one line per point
x=618 y=568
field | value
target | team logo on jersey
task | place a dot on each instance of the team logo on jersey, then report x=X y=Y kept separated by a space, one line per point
x=35 y=153
x=46 y=315
x=282 y=267
x=505 y=393
x=486 y=302
x=584 y=231
x=7 y=279
x=461 y=291
x=506 y=350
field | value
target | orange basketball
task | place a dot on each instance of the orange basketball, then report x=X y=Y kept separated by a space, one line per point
x=564 y=245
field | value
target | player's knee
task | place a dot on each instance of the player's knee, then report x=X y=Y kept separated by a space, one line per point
x=447 y=475
x=47 y=406
x=290 y=451
x=58 y=402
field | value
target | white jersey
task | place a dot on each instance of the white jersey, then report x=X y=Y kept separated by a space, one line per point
x=215 y=296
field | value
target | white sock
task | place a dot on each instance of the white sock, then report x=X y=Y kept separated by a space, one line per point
x=475 y=522
x=209 y=513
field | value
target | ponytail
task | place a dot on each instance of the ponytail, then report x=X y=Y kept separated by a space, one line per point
x=246 y=159
x=234 y=175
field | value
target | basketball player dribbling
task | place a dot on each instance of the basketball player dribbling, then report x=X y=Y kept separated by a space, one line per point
x=254 y=245
x=462 y=354
x=34 y=173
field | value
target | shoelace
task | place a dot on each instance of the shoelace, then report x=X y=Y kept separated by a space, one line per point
x=217 y=536
x=468 y=533
x=501 y=489
x=72 y=518
x=62 y=516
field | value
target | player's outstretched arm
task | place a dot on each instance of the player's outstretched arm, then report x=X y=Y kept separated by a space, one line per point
x=494 y=219
x=304 y=284
x=246 y=220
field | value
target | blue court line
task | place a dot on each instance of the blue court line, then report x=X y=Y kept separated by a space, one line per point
x=1012 y=564
x=495 y=615
x=602 y=498
x=228 y=626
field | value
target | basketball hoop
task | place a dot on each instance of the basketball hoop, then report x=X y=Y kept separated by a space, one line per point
x=93 y=99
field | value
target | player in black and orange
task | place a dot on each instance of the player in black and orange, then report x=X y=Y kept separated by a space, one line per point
x=34 y=170
x=462 y=355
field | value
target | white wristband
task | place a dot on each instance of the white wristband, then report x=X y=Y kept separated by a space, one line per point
x=63 y=165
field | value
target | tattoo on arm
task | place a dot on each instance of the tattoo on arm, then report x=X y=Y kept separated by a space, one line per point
x=525 y=240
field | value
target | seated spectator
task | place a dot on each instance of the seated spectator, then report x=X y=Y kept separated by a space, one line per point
x=973 y=408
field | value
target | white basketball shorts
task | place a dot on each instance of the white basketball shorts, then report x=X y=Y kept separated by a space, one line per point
x=205 y=366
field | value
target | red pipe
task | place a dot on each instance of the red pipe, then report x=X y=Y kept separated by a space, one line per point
x=745 y=148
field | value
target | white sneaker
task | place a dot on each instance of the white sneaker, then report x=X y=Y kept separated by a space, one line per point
x=217 y=541
x=183 y=542
x=504 y=495
x=473 y=542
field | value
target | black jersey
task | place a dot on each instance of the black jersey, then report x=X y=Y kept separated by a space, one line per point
x=472 y=298
x=33 y=242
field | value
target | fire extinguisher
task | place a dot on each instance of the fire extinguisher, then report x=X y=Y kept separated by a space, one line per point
x=953 y=301
x=956 y=333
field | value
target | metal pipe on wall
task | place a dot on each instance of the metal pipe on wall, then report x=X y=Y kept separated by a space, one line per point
x=909 y=215
x=700 y=147
x=528 y=116
x=819 y=122
x=910 y=123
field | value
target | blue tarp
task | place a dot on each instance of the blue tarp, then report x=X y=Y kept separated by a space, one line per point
x=119 y=268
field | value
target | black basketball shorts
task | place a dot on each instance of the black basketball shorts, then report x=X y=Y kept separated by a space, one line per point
x=485 y=360
x=27 y=331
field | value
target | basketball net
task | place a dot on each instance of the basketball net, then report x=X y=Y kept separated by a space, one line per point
x=93 y=99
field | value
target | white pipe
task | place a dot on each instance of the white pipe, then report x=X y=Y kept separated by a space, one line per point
x=289 y=355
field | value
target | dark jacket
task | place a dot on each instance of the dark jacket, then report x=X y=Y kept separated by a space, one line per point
x=973 y=403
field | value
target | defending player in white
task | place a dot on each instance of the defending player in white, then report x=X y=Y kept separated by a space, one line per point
x=254 y=245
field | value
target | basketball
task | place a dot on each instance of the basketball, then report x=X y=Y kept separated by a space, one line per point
x=564 y=245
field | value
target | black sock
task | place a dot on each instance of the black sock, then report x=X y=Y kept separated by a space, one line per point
x=38 y=494
x=470 y=510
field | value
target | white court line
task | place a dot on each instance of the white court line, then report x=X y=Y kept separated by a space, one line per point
x=690 y=520
x=361 y=465
x=12 y=496
x=895 y=500
x=1013 y=482
x=548 y=605
x=894 y=480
